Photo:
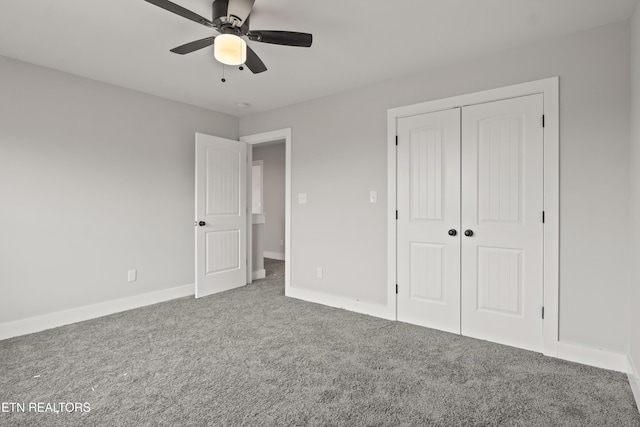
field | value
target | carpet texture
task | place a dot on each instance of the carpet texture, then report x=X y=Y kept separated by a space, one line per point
x=252 y=357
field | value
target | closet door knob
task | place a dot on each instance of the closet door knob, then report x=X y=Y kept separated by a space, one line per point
x=452 y=232
x=202 y=223
x=468 y=233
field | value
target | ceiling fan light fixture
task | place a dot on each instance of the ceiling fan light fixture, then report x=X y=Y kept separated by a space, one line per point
x=230 y=49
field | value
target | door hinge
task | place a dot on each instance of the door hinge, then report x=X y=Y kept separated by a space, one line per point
x=542 y=313
x=396 y=139
x=543 y=217
x=396 y=214
x=396 y=288
x=543 y=120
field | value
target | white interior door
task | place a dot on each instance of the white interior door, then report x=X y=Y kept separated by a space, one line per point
x=477 y=171
x=428 y=225
x=221 y=214
x=502 y=205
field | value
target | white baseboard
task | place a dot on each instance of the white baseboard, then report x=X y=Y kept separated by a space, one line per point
x=371 y=309
x=593 y=357
x=635 y=388
x=274 y=255
x=634 y=380
x=633 y=369
x=259 y=274
x=79 y=314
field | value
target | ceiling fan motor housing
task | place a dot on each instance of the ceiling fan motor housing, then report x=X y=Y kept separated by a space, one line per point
x=221 y=20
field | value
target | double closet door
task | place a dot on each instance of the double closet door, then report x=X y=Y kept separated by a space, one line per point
x=470 y=221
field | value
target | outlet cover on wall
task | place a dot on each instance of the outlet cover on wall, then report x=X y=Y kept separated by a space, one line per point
x=319 y=272
x=132 y=275
x=373 y=196
x=302 y=198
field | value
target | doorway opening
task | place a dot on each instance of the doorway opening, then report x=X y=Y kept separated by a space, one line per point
x=269 y=225
x=268 y=207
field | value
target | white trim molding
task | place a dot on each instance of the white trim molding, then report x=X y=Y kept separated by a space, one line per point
x=371 y=309
x=634 y=380
x=259 y=274
x=87 y=312
x=260 y=138
x=549 y=88
x=635 y=388
x=592 y=356
x=633 y=370
x=274 y=255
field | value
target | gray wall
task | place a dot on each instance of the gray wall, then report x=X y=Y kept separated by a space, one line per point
x=634 y=326
x=273 y=196
x=94 y=180
x=339 y=155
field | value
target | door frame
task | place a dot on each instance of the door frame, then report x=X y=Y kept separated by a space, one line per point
x=262 y=138
x=549 y=88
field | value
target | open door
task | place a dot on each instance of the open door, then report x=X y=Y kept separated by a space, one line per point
x=221 y=214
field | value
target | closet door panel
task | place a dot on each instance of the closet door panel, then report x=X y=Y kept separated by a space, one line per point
x=502 y=205
x=428 y=207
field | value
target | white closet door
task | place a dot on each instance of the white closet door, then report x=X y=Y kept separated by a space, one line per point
x=502 y=204
x=221 y=214
x=428 y=208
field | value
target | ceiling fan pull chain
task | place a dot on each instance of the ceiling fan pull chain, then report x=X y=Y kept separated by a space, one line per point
x=223 y=79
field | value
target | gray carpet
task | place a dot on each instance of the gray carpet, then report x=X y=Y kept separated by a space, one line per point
x=253 y=357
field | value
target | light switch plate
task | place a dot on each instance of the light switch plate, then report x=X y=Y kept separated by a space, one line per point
x=373 y=196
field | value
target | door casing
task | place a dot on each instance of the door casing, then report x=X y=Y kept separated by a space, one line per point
x=550 y=90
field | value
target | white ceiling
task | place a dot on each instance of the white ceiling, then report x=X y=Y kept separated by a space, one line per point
x=356 y=42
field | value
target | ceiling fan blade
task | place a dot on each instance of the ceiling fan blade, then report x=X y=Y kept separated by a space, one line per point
x=193 y=46
x=240 y=9
x=286 y=38
x=179 y=10
x=254 y=63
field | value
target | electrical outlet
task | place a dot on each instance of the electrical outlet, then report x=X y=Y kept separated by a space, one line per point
x=319 y=272
x=132 y=275
x=373 y=196
x=302 y=198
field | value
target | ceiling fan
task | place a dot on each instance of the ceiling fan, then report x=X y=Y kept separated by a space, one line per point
x=231 y=20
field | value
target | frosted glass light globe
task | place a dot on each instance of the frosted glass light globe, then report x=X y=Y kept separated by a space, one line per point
x=230 y=49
